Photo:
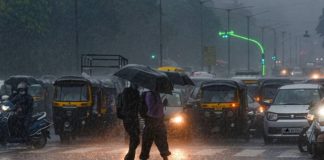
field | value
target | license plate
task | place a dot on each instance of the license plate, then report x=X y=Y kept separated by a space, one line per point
x=291 y=130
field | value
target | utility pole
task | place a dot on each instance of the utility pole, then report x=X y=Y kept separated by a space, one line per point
x=290 y=50
x=76 y=28
x=248 y=42
x=283 y=33
x=248 y=18
x=161 y=36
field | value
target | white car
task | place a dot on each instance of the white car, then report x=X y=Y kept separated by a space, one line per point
x=286 y=116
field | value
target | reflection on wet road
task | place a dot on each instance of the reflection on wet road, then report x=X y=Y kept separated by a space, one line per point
x=116 y=149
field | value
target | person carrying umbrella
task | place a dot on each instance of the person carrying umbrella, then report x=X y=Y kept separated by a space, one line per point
x=155 y=129
x=127 y=109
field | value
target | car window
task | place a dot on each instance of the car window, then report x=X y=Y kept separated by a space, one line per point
x=296 y=96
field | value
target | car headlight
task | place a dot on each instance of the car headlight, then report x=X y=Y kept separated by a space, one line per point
x=310 y=117
x=272 y=116
x=4 y=107
x=321 y=111
x=177 y=119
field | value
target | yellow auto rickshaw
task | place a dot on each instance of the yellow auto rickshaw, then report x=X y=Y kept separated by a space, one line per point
x=79 y=107
x=171 y=69
x=222 y=108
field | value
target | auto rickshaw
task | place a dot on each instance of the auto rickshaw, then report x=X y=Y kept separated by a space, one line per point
x=222 y=107
x=79 y=107
x=171 y=69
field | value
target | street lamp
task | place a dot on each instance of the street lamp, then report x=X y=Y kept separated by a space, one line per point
x=228 y=11
x=248 y=35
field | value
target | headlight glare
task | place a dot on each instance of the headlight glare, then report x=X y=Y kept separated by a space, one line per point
x=177 y=119
x=321 y=111
x=4 y=107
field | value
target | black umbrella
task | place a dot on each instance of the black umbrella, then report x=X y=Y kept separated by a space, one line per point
x=179 y=78
x=146 y=77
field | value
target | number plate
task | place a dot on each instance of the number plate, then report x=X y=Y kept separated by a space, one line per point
x=291 y=130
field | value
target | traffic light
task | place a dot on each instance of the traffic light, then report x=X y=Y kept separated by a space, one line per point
x=153 y=56
x=274 y=58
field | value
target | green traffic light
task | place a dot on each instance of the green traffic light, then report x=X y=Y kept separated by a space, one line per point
x=153 y=56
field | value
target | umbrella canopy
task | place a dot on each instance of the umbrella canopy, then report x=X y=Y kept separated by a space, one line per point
x=179 y=78
x=146 y=77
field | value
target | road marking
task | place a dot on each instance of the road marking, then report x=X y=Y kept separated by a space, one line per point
x=82 y=150
x=118 y=151
x=293 y=153
x=209 y=152
x=45 y=150
x=249 y=153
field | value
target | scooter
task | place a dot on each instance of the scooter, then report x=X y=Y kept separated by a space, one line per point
x=313 y=136
x=38 y=130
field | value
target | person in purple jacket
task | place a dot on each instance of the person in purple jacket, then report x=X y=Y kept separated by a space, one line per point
x=154 y=130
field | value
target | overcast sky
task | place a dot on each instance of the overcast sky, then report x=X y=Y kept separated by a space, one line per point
x=300 y=15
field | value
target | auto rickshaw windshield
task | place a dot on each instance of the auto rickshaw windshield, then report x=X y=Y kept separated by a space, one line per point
x=71 y=93
x=269 y=92
x=219 y=94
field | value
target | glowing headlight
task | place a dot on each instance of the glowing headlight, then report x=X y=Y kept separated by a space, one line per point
x=272 y=116
x=283 y=72
x=261 y=109
x=310 y=117
x=177 y=119
x=315 y=76
x=321 y=111
x=4 y=108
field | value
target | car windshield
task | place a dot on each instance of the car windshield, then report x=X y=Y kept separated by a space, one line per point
x=269 y=91
x=174 y=100
x=296 y=96
x=71 y=93
x=218 y=94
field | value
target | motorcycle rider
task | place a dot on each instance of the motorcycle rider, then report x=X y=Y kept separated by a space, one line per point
x=23 y=109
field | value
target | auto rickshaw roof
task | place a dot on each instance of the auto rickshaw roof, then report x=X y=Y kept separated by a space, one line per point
x=235 y=83
x=64 y=79
x=273 y=81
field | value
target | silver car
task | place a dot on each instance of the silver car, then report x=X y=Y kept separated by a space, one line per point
x=286 y=116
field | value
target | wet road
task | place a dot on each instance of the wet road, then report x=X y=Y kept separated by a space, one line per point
x=197 y=149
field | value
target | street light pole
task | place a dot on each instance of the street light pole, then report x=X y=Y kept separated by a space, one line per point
x=283 y=47
x=248 y=42
x=228 y=43
x=248 y=35
x=76 y=28
x=161 y=38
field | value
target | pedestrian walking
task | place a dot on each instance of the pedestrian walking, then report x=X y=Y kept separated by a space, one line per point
x=127 y=110
x=154 y=130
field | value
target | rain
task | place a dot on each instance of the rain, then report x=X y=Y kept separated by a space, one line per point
x=161 y=79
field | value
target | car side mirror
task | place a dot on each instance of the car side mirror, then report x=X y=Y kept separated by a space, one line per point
x=267 y=102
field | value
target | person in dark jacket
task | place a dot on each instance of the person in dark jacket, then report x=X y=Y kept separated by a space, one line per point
x=130 y=101
x=155 y=129
x=23 y=109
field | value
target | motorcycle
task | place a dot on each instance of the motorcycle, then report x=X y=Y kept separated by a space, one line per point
x=311 y=139
x=38 y=129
